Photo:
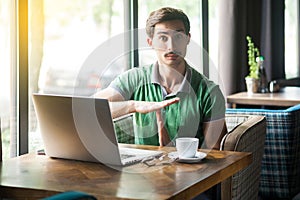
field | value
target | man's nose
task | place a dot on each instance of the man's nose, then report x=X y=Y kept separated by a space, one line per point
x=171 y=44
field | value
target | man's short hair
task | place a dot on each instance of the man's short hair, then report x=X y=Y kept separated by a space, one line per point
x=166 y=14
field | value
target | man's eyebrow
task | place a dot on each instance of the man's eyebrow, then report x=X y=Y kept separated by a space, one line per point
x=167 y=32
x=180 y=30
x=162 y=32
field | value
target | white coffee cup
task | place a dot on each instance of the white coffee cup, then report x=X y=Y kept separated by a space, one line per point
x=187 y=147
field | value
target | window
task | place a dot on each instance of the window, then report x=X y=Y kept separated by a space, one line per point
x=213 y=40
x=62 y=36
x=65 y=34
x=7 y=63
x=213 y=24
x=292 y=42
x=291 y=38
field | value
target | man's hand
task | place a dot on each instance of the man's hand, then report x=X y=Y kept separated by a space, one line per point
x=150 y=106
x=120 y=108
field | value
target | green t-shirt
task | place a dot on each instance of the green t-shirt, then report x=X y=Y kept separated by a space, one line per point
x=201 y=100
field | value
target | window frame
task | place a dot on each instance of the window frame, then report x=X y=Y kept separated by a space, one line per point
x=21 y=92
x=298 y=37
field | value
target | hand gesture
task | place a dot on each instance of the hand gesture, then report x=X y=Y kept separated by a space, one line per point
x=151 y=106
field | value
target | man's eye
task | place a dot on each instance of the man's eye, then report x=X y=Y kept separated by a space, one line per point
x=163 y=38
x=179 y=37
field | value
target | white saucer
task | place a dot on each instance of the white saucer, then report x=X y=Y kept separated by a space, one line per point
x=198 y=157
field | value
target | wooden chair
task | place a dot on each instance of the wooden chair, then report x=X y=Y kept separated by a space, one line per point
x=246 y=133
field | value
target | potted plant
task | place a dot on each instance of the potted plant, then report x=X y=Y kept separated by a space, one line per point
x=252 y=79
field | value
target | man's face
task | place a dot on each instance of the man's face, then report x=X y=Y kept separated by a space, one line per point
x=170 y=42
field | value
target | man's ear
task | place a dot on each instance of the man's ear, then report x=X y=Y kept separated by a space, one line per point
x=189 y=38
x=149 y=41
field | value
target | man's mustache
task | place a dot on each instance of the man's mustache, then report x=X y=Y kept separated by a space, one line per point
x=173 y=52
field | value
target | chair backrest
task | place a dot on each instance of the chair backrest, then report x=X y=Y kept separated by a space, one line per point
x=124 y=129
x=280 y=174
x=246 y=134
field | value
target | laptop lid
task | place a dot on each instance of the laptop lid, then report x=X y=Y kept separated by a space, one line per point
x=77 y=128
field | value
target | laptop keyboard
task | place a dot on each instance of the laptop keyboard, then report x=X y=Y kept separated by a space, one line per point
x=124 y=156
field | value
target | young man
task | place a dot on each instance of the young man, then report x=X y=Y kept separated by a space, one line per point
x=170 y=99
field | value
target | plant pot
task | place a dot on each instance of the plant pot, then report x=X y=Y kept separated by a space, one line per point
x=252 y=85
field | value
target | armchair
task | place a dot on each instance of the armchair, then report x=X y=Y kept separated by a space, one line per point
x=246 y=133
x=280 y=174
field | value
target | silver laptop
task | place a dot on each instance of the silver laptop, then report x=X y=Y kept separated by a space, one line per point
x=81 y=128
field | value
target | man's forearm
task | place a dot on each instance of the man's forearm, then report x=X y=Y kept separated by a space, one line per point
x=120 y=108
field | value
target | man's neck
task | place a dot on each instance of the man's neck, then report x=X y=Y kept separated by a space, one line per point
x=171 y=77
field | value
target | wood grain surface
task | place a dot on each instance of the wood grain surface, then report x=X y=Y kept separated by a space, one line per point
x=34 y=176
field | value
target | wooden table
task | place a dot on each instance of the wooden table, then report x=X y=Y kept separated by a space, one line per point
x=36 y=176
x=287 y=97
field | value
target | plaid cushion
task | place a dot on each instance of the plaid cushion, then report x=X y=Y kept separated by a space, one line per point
x=280 y=174
x=124 y=129
x=233 y=121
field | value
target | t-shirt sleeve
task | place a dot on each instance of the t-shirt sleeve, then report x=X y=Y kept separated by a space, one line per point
x=214 y=106
x=125 y=83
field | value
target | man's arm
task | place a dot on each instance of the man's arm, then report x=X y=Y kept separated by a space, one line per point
x=214 y=131
x=119 y=106
x=110 y=94
x=163 y=135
